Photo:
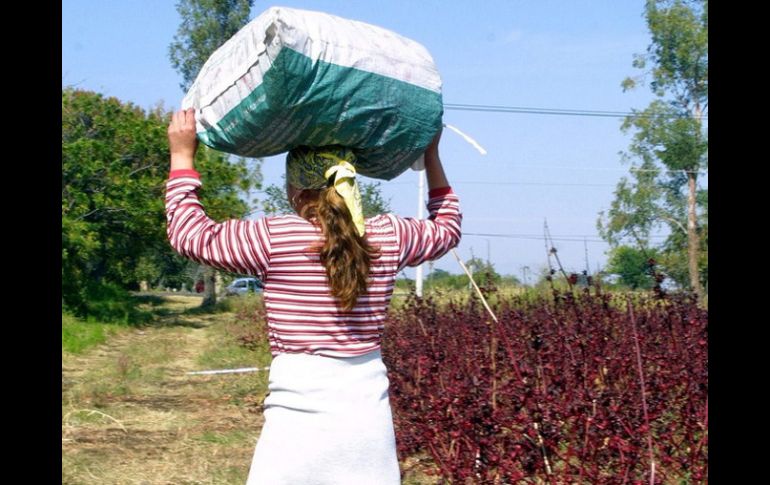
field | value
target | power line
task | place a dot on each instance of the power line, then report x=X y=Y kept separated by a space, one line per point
x=537 y=183
x=564 y=167
x=569 y=238
x=561 y=111
x=515 y=183
x=521 y=221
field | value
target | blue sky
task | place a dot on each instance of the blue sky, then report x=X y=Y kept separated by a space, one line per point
x=540 y=54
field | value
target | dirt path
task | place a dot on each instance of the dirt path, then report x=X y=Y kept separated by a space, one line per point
x=131 y=415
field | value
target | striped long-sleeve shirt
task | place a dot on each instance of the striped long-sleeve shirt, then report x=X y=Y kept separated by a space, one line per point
x=302 y=314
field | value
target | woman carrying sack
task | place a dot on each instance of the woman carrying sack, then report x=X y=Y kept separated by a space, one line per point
x=328 y=277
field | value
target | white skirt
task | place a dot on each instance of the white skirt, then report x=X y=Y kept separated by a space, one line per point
x=327 y=422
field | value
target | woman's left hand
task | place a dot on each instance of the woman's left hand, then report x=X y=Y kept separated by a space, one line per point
x=182 y=139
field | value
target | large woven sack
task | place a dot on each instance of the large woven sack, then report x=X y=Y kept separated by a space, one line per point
x=293 y=77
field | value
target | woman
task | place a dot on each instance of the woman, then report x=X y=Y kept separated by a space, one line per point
x=328 y=278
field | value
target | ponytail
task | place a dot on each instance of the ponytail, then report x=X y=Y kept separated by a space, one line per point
x=344 y=253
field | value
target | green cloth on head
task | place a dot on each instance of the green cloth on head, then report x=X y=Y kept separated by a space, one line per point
x=316 y=168
x=306 y=167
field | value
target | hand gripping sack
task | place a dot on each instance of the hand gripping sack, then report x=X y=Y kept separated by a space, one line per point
x=293 y=77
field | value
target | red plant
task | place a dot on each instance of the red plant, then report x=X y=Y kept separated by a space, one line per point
x=552 y=392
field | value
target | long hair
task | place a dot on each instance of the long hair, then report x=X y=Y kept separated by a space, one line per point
x=344 y=253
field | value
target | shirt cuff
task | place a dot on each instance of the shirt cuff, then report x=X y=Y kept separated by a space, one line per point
x=184 y=172
x=440 y=192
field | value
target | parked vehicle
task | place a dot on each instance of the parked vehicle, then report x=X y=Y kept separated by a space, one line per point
x=242 y=286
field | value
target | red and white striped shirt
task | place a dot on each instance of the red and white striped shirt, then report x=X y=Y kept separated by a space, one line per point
x=302 y=314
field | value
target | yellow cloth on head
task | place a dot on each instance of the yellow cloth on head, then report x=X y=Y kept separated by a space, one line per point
x=345 y=184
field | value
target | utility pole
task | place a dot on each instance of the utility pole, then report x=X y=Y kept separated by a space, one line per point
x=524 y=270
x=545 y=240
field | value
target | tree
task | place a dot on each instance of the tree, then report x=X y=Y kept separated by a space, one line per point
x=114 y=166
x=439 y=274
x=372 y=201
x=510 y=280
x=483 y=271
x=206 y=25
x=114 y=162
x=632 y=265
x=439 y=278
x=670 y=140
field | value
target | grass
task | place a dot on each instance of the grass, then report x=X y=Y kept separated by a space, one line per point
x=131 y=414
x=235 y=437
x=223 y=351
x=137 y=365
x=78 y=335
x=444 y=295
x=249 y=303
x=227 y=356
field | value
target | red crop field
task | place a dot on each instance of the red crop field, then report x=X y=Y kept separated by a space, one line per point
x=569 y=388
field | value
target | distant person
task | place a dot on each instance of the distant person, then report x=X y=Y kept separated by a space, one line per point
x=199 y=286
x=328 y=277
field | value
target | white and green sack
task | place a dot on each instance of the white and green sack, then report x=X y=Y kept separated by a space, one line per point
x=295 y=77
